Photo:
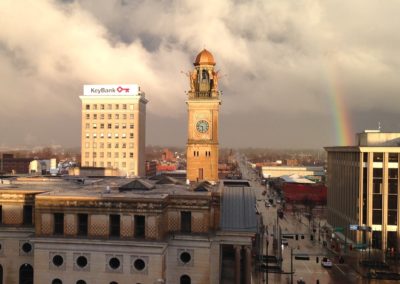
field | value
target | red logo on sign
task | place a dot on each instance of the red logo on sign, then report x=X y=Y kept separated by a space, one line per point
x=120 y=89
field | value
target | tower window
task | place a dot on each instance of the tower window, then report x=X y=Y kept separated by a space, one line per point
x=204 y=75
x=94 y=106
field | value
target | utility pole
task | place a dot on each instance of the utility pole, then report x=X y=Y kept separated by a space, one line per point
x=291 y=265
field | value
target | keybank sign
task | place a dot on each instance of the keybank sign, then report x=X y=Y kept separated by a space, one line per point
x=111 y=90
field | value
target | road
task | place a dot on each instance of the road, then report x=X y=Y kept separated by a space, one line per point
x=308 y=270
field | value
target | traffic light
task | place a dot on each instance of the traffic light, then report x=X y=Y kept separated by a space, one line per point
x=297 y=237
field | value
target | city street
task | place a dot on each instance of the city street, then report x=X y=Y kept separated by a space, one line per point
x=310 y=271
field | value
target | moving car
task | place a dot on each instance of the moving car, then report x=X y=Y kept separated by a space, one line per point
x=326 y=262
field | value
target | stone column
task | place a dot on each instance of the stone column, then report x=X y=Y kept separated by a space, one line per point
x=247 y=265
x=237 y=263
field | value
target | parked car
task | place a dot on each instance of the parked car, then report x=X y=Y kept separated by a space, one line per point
x=326 y=262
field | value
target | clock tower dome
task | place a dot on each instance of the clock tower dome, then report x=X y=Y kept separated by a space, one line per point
x=203 y=108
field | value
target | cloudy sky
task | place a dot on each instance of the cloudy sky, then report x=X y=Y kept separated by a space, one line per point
x=292 y=69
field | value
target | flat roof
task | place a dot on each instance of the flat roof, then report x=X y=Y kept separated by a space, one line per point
x=97 y=187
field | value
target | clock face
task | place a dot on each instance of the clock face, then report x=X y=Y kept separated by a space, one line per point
x=202 y=126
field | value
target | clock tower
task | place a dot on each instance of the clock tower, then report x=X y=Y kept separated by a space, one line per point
x=203 y=108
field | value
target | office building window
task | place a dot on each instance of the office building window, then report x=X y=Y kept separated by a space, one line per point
x=116 y=165
x=186 y=221
x=109 y=163
x=58 y=223
x=109 y=106
x=393 y=157
x=124 y=116
x=131 y=145
x=109 y=125
x=378 y=157
x=131 y=107
x=87 y=116
x=94 y=155
x=123 y=145
x=87 y=144
x=102 y=116
x=130 y=135
x=131 y=116
x=123 y=125
x=131 y=126
x=123 y=155
x=116 y=155
x=123 y=135
x=87 y=125
x=123 y=164
x=101 y=155
x=124 y=106
x=94 y=135
x=116 y=125
x=82 y=224
x=109 y=155
x=27 y=215
x=109 y=135
x=140 y=222
x=109 y=116
x=101 y=164
x=86 y=154
x=116 y=135
x=114 y=225
x=130 y=155
x=116 y=116
x=101 y=125
x=94 y=116
x=116 y=145
x=87 y=135
x=94 y=145
x=116 y=106
x=102 y=106
x=101 y=135
x=94 y=106
x=87 y=106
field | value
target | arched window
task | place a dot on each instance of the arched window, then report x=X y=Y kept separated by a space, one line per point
x=26 y=274
x=204 y=75
x=81 y=282
x=1 y=274
x=185 y=279
x=56 y=281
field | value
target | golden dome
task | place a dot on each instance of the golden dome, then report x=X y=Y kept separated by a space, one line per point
x=204 y=58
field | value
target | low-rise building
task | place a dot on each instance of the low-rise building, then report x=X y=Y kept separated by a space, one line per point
x=120 y=230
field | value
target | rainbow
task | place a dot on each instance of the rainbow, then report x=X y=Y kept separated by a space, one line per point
x=341 y=118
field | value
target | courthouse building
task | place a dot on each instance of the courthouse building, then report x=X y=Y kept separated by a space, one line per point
x=363 y=188
x=113 y=128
